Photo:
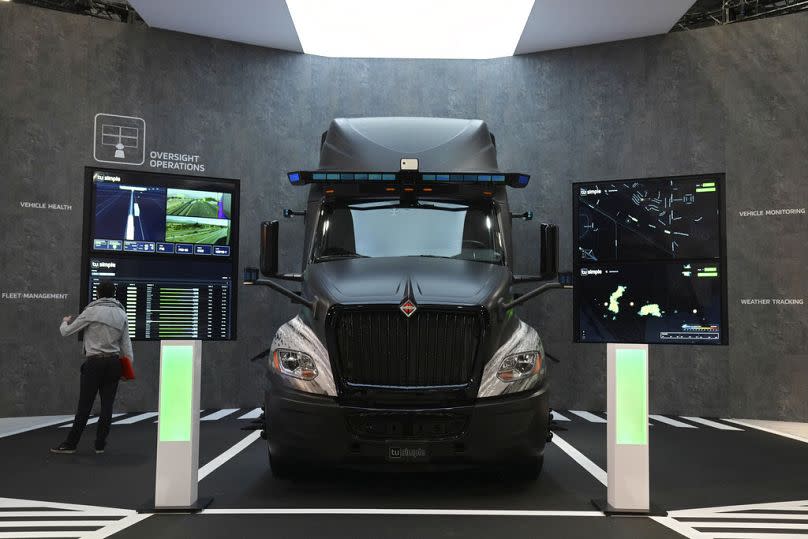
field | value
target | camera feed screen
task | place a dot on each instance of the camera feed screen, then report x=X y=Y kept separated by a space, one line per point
x=197 y=217
x=136 y=217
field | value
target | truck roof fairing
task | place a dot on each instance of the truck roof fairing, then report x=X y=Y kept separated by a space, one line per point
x=378 y=144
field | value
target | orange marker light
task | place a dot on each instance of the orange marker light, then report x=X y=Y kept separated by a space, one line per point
x=409 y=189
x=537 y=365
x=329 y=191
x=389 y=189
x=488 y=193
x=275 y=361
x=427 y=189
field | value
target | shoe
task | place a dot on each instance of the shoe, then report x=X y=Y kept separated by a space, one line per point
x=64 y=449
x=99 y=448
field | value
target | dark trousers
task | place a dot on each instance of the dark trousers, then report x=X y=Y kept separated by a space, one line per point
x=98 y=375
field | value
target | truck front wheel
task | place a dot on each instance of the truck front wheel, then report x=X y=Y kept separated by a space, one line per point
x=531 y=467
x=281 y=468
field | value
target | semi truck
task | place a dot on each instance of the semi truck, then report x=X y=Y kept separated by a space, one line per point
x=406 y=353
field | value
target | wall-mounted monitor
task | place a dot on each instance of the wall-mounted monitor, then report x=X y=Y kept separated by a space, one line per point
x=170 y=245
x=649 y=264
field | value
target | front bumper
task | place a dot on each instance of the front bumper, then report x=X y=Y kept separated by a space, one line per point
x=317 y=429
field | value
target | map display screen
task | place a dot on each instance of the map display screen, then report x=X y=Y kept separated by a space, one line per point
x=648 y=261
x=648 y=219
x=169 y=245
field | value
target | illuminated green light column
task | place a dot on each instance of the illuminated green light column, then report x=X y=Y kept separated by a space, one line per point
x=178 y=426
x=627 y=428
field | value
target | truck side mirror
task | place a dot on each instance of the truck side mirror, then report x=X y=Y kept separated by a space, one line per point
x=269 y=248
x=548 y=251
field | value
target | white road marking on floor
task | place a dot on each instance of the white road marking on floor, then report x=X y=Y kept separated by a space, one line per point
x=731 y=509
x=754 y=535
x=36 y=423
x=596 y=471
x=254 y=414
x=122 y=524
x=135 y=418
x=559 y=417
x=53 y=523
x=796 y=428
x=679 y=528
x=76 y=516
x=765 y=429
x=220 y=414
x=55 y=514
x=723 y=522
x=41 y=535
x=588 y=416
x=211 y=466
x=8 y=503
x=745 y=516
x=750 y=525
x=707 y=422
x=91 y=421
x=672 y=422
x=439 y=512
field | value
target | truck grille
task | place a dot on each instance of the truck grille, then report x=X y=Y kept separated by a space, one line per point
x=428 y=349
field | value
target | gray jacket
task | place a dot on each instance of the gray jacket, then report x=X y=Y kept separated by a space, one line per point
x=106 y=329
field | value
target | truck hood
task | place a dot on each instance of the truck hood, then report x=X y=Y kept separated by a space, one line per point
x=435 y=281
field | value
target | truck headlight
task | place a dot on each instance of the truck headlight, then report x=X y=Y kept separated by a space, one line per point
x=519 y=366
x=295 y=364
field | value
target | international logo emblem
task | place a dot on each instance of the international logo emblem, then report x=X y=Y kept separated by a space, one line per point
x=408 y=307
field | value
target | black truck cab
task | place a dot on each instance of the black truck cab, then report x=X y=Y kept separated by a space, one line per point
x=407 y=352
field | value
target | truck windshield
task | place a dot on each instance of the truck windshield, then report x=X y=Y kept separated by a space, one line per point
x=430 y=229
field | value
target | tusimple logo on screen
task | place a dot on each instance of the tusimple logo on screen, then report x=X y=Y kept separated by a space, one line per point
x=119 y=139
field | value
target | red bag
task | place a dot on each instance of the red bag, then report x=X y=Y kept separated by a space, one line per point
x=127 y=370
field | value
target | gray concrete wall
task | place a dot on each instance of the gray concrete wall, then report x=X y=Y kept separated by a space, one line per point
x=723 y=99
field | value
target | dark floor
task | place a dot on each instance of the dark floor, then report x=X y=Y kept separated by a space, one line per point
x=696 y=467
x=396 y=527
x=122 y=477
x=708 y=467
x=246 y=481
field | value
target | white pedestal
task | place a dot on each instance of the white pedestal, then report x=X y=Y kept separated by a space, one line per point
x=178 y=427
x=627 y=431
x=627 y=426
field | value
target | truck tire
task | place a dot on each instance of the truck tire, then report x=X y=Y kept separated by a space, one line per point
x=532 y=467
x=281 y=468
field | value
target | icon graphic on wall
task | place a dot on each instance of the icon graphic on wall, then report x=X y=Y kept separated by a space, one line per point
x=119 y=139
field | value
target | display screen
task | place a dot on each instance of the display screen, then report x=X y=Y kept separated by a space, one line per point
x=134 y=217
x=657 y=302
x=168 y=298
x=648 y=219
x=648 y=261
x=169 y=244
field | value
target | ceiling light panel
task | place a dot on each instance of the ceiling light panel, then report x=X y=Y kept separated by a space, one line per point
x=452 y=29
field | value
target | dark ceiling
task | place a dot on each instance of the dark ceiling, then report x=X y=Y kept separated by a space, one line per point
x=716 y=12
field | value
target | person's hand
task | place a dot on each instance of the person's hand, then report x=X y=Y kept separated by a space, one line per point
x=67 y=319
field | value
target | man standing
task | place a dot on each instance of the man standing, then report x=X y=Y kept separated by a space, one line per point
x=106 y=339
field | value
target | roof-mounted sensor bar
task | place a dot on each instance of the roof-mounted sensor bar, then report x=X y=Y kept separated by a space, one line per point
x=511 y=179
